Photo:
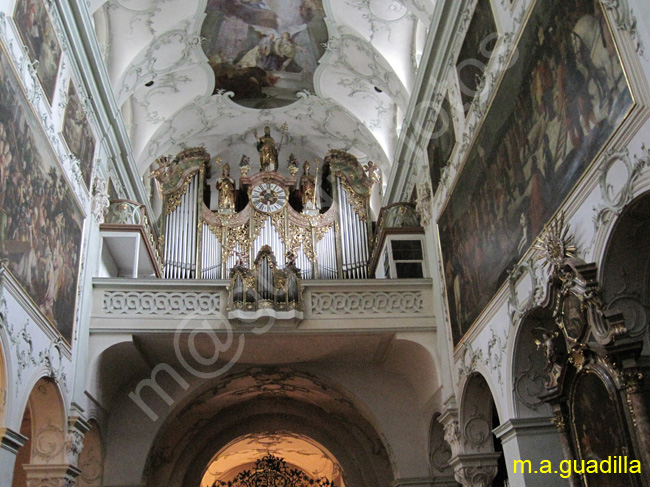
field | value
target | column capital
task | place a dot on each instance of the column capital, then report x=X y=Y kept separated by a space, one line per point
x=525 y=427
x=11 y=441
x=476 y=470
x=51 y=475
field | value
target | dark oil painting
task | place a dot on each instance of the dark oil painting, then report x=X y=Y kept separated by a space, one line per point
x=554 y=111
x=597 y=429
x=78 y=135
x=40 y=220
x=264 y=51
x=37 y=32
x=441 y=144
x=476 y=51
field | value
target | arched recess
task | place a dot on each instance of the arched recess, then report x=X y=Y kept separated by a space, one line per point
x=45 y=425
x=439 y=451
x=478 y=418
x=91 y=458
x=625 y=271
x=531 y=365
x=266 y=401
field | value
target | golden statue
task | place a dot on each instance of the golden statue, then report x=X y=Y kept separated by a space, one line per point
x=308 y=188
x=268 y=151
x=226 y=187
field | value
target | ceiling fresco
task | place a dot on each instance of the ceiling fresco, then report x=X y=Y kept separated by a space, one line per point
x=264 y=51
x=209 y=73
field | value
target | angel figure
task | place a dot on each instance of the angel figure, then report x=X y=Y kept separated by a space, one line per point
x=241 y=258
x=549 y=348
x=374 y=173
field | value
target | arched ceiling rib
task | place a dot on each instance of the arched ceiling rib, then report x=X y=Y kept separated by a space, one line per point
x=361 y=84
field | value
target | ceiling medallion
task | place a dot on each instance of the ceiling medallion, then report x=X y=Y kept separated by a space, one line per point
x=556 y=243
x=272 y=471
x=264 y=51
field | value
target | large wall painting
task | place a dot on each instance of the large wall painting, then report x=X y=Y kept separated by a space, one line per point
x=37 y=32
x=40 y=220
x=265 y=51
x=597 y=429
x=476 y=51
x=554 y=111
x=441 y=144
x=78 y=135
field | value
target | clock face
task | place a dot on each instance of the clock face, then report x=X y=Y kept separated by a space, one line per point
x=268 y=197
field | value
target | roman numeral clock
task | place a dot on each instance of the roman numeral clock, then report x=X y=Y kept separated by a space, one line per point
x=268 y=197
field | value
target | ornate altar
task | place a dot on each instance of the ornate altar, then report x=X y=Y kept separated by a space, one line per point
x=267 y=213
x=594 y=381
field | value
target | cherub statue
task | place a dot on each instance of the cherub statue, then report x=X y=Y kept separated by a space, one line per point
x=374 y=173
x=241 y=258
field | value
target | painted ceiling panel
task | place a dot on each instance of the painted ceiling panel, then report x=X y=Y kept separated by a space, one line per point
x=211 y=72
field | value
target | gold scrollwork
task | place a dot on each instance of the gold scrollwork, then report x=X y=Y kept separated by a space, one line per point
x=359 y=202
x=174 y=200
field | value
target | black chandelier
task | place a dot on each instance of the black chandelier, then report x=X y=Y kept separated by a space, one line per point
x=272 y=471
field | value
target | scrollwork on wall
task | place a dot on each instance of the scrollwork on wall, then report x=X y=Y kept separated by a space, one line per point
x=48 y=442
x=613 y=204
x=517 y=308
x=353 y=302
x=625 y=20
x=161 y=303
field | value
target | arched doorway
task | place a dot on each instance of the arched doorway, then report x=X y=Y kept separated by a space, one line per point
x=269 y=405
x=45 y=426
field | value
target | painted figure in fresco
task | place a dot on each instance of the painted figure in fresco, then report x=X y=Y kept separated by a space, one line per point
x=268 y=151
x=226 y=187
x=285 y=50
x=308 y=188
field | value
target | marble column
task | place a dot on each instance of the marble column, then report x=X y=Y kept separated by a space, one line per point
x=10 y=443
x=475 y=470
x=534 y=439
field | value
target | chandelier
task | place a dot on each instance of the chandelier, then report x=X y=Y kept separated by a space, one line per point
x=272 y=471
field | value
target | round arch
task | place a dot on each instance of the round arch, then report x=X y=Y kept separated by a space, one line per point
x=44 y=423
x=625 y=268
x=91 y=458
x=267 y=401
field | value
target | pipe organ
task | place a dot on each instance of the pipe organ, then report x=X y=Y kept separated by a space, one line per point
x=199 y=243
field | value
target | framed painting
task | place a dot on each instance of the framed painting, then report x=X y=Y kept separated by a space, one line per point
x=597 y=430
x=476 y=51
x=264 y=51
x=554 y=111
x=40 y=219
x=37 y=32
x=78 y=134
x=441 y=144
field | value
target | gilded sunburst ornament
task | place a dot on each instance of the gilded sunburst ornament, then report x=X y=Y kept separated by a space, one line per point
x=556 y=243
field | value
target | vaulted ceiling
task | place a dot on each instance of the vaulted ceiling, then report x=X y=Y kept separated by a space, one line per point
x=361 y=85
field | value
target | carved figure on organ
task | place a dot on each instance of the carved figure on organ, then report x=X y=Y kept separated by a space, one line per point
x=268 y=151
x=374 y=174
x=308 y=188
x=226 y=187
